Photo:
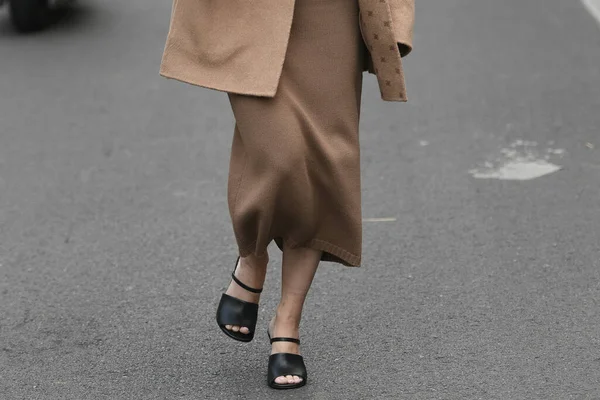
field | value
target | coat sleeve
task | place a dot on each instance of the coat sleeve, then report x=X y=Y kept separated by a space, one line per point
x=403 y=20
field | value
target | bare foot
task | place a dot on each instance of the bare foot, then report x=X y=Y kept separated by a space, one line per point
x=251 y=271
x=283 y=327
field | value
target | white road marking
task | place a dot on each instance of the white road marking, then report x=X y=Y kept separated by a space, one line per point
x=520 y=161
x=593 y=7
x=379 y=219
x=519 y=171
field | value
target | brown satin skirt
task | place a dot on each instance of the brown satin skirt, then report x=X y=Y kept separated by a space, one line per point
x=294 y=173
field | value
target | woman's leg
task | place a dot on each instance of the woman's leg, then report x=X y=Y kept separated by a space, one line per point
x=251 y=271
x=299 y=267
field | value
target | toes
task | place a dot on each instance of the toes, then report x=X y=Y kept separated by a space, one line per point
x=288 y=379
x=236 y=328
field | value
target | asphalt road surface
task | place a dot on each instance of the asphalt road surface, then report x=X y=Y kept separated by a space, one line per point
x=115 y=239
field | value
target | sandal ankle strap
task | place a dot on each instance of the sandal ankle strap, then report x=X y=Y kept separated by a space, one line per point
x=242 y=284
x=285 y=339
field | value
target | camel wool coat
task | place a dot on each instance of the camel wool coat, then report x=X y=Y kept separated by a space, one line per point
x=239 y=46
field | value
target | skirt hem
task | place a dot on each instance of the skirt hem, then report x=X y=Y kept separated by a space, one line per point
x=331 y=252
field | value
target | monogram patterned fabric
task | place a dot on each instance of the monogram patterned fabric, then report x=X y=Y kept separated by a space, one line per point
x=376 y=25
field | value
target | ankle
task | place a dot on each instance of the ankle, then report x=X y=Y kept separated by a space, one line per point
x=254 y=263
x=251 y=272
x=286 y=320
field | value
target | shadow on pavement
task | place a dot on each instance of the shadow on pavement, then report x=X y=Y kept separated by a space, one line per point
x=73 y=17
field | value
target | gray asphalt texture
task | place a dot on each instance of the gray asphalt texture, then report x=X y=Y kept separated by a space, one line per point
x=115 y=239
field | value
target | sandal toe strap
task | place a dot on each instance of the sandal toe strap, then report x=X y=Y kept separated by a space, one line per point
x=282 y=364
x=233 y=311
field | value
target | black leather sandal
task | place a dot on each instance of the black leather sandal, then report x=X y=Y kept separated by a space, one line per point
x=282 y=364
x=233 y=311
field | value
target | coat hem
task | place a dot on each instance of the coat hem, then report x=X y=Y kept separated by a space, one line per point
x=212 y=86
